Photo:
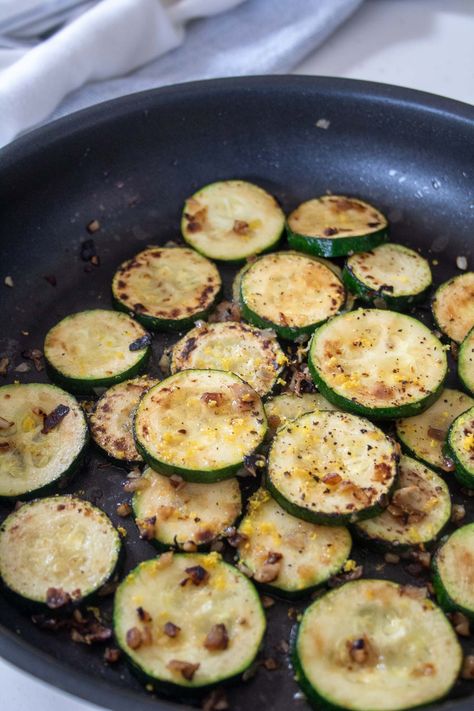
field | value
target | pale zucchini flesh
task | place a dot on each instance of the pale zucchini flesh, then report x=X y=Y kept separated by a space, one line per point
x=92 y=349
x=189 y=513
x=453 y=306
x=310 y=553
x=461 y=447
x=288 y=406
x=424 y=511
x=424 y=436
x=231 y=220
x=111 y=423
x=30 y=460
x=453 y=571
x=378 y=363
x=412 y=656
x=290 y=292
x=200 y=424
x=226 y=598
x=466 y=362
x=252 y=354
x=167 y=288
x=335 y=225
x=60 y=542
x=331 y=467
x=392 y=272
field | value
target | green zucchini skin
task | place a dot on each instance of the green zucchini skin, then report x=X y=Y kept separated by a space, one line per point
x=466 y=362
x=445 y=600
x=165 y=325
x=351 y=405
x=64 y=477
x=324 y=222
x=88 y=387
x=462 y=472
x=323 y=247
x=288 y=333
x=400 y=302
x=31 y=606
x=186 y=690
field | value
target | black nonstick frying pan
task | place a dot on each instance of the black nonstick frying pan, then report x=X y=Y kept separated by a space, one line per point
x=130 y=164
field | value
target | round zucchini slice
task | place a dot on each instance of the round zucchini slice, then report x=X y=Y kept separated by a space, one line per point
x=184 y=512
x=43 y=437
x=335 y=225
x=453 y=572
x=111 y=423
x=167 y=288
x=231 y=220
x=289 y=292
x=377 y=363
x=250 y=353
x=372 y=646
x=466 y=362
x=188 y=620
x=391 y=272
x=94 y=349
x=57 y=551
x=289 y=406
x=461 y=447
x=285 y=555
x=453 y=306
x=419 y=510
x=331 y=468
x=424 y=436
x=200 y=424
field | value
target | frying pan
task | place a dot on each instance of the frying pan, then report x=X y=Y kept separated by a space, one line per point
x=129 y=164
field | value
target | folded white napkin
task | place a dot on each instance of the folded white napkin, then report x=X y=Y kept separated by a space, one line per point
x=111 y=39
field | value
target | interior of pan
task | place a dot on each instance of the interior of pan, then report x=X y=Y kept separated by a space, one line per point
x=130 y=164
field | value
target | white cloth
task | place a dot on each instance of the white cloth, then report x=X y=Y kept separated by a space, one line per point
x=117 y=48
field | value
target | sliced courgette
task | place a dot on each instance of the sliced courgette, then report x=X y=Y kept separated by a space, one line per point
x=424 y=436
x=167 y=288
x=453 y=572
x=289 y=292
x=249 y=352
x=94 y=349
x=179 y=513
x=57 y=551
x=377 y=363
x=331 y=467
x=43 y=437
x=453 y=306
x=419 y=510
x=289 y=406
x=461 y=447
x=111 y=422
x=398 y=276
x=231 y=220
x=200 y=424
x=466 y=362
x=188 y=620
x=371 y=645
x=335 y=225
x=285 y=555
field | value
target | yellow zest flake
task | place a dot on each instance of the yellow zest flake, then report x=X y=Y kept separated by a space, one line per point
x=122 y=531
x=256 y=500
x=281 y=359
x=213 y=559
x=280 y=381
x=28 y=424
x=349 y=566
x=219 y=582
x=137 y=599
x=430 y=504
x=468 y=442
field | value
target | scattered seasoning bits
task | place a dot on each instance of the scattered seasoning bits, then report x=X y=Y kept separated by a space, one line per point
x=467 y=671
x=36 y=356
x=323 y=123
x=186 y=669
x=4 y=363
x=111 y=655
x=146 y=528
x=54 y=418
x=270 y=664
x=8 y=281
x=88 y=250
x=22 y=368
x=143 y=615
x=461 y=263
x=93 y=226
x=197 y=575
x=461 y=624
x=124 y=509
x=217 y=638
x=134 y=638
x=458 y=512
x=215 y=701
x=56 y=598
x=189 y=547
x=140 y=343
x=171 y=630
x=392 y=558
x=267 y=601
x=136 y=484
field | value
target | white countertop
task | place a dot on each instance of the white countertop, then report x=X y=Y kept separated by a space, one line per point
x=422 y=44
